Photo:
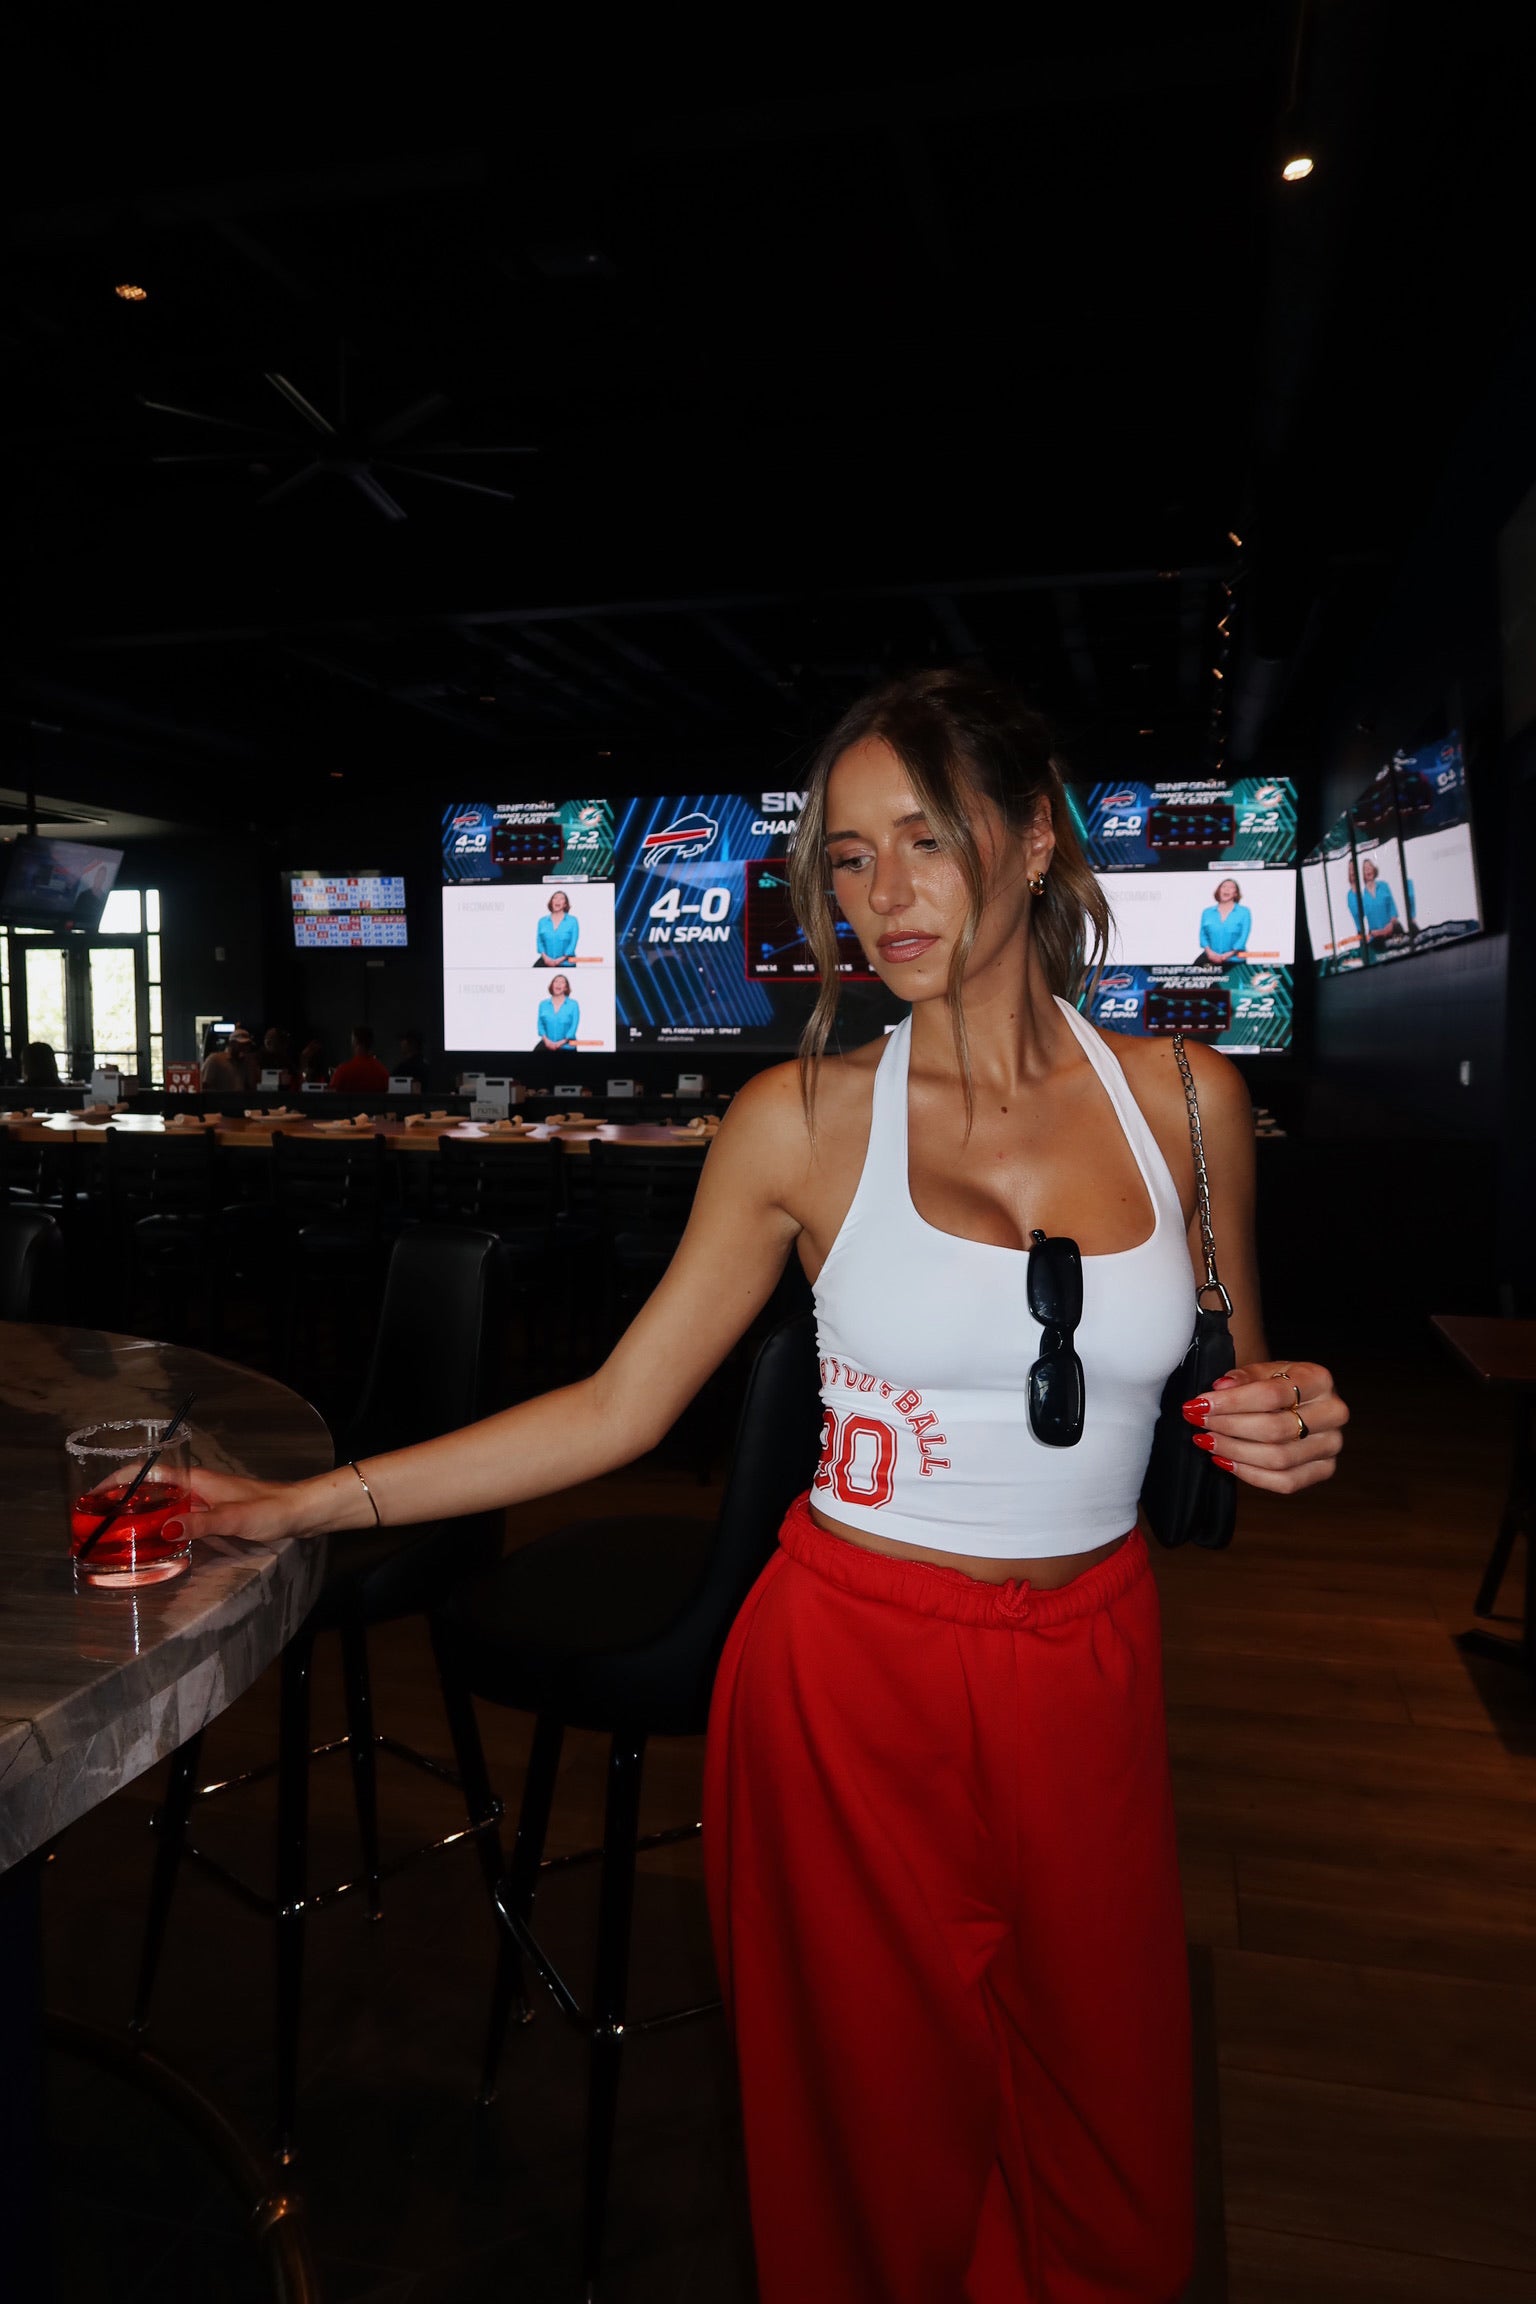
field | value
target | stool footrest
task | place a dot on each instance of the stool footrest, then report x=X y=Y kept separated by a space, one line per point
x=647 y=1840
x=565 y=1999
x=256 y=1900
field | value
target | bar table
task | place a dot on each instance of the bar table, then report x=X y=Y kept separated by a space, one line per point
x=96 y=1686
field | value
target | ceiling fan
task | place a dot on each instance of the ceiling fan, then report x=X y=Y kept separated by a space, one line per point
x=345 y=452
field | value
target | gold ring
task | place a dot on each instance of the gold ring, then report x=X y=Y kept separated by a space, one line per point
x=1301 y=1424
x=1296 y=1388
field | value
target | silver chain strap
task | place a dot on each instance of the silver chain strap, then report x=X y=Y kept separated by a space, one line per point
x=1202 y=1179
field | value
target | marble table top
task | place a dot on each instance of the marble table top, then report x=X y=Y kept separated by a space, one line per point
x=96 y=1686
x=66 y=1131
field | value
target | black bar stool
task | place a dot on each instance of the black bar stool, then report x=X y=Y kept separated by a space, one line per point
x=616 y=1625
x=426 y=1378
x=30 y=1243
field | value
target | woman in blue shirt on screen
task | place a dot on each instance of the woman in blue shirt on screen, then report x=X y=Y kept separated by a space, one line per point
x=558 y=932
x=559 y=1015
x=1225 y=925
x=1369 y=893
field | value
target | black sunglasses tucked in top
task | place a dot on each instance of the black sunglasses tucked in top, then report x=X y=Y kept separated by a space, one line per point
x=1056 y=1395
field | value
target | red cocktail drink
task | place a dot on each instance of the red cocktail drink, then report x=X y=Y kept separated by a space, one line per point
x=119 y=1533
x=134 y=1546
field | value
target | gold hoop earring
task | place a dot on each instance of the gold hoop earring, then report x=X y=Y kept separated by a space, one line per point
x=1036 y=886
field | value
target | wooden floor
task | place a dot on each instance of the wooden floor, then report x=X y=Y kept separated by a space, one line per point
x=1357 y=1812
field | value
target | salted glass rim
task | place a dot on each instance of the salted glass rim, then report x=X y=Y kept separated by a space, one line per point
x=85 y=1441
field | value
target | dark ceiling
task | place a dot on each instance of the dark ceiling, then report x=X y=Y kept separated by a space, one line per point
x=482 y=403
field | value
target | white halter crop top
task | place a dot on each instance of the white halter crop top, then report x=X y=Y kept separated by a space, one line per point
x=926 y=1342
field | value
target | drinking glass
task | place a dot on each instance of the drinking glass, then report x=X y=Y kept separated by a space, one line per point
x=101 y=1461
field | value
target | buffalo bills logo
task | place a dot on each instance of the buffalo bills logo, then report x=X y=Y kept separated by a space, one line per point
x=689 y=836
x=1119 y=983
x=1128 y=799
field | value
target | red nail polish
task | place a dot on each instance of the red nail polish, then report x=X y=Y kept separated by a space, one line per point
x=1205 y=1440
x=1225 y=1462
x=1196 y=1411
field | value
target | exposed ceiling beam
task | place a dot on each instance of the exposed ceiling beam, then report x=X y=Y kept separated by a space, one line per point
x=589 y=613
x=644 y=661
x=742 y=651
x=390 y=693
x=1092 y=76
x=586 y=667
x=255 y=196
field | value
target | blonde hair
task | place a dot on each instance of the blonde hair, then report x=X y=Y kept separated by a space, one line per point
x=960 y=735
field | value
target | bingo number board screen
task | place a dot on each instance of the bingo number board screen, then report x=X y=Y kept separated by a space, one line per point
x=347 y=911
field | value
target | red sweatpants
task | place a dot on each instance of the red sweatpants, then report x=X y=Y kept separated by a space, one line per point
x=940 y=1858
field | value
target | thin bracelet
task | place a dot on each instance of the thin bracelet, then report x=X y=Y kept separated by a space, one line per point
x=367 y=1491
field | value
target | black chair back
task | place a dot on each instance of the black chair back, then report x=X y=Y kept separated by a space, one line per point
x=425 y=1376
x=512 y=1189
x=778 y=1441
x=23 y=1167
x=153 y=1175
x=29 y=1241
x=328 y=1176
x=641 y=1193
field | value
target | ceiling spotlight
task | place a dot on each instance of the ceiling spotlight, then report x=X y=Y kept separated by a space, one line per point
x=130 y=293
x=1297 y=169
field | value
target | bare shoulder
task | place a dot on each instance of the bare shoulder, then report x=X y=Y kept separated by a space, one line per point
x=1150 y=1066
x=769 y=1110
x=769 y=1119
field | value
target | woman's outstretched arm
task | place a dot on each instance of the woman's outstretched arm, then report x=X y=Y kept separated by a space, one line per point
x=723 y=1274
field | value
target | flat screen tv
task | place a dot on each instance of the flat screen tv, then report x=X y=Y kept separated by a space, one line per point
x=347 y=911
x=607 y=924
x=1396 y=873
x=1200 y=874
x=55 y=883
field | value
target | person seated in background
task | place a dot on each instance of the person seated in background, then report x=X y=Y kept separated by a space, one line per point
x=277 y=1056
x=243 y=1055
x=314 y=1065
x=39 y=1066
x=411 y=1058
x=362 y=1074
x=222 y=1074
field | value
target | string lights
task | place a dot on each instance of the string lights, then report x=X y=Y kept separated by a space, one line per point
x=1217 y=733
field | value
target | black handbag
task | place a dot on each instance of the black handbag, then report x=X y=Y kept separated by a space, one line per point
x=1185 y=1498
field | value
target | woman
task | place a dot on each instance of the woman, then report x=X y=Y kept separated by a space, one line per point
x=1225 y=926
x=1372 y=901
x=558 y=932
x=938 y=1828
x=559 y=1015
x=39 y=1065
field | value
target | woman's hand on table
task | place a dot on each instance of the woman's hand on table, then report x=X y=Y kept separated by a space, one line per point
x=1277 y=1427
x=259 y=1511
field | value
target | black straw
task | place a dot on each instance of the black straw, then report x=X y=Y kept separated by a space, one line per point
x=139 y=1478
